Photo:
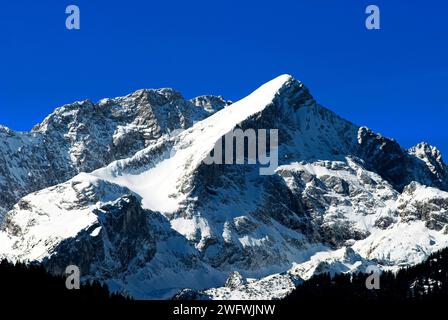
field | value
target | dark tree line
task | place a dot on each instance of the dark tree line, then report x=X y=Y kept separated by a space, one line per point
x=32 y=283
x=425 y=283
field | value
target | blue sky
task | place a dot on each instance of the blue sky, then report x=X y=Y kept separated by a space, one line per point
x=392 y=80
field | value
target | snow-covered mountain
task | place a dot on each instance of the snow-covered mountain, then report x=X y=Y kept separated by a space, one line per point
x=85 y=136
x=134 y=204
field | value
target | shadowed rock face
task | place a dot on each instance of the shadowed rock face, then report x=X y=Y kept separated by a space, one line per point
x=421 y=163
x=85 y=136
x=120 y=239
x=128 y=242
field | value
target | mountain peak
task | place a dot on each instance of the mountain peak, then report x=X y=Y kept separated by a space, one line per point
x=267 y=91
x=157 y=96
x=424 y=150
x=432 y=158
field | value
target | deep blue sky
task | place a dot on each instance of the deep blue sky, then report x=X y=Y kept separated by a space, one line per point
x=392 y=80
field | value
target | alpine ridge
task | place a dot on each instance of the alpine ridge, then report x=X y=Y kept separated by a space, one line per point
x=84 y=136
x=122 y=191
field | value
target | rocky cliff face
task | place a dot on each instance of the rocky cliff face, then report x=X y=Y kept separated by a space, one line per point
x=132 y=249
x=160 y=219
x=422 y=163
x=85 y=136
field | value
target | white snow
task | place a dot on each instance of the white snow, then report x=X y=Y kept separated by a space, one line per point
x=51 y=215
x=402 y=245
x=95 y=232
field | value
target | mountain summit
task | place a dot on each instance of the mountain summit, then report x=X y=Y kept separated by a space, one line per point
x=132 y=202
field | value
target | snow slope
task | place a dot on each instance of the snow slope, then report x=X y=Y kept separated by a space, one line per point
x=157 y=186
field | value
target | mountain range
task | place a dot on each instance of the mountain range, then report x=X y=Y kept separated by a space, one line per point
x=120 y=189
